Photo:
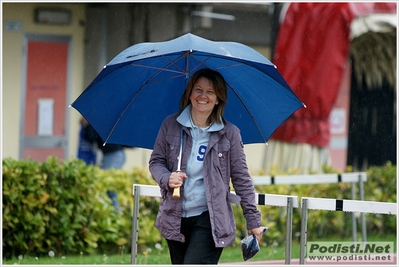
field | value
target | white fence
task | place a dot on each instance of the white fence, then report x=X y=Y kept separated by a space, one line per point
x=352 y=177
x=290 y=202
x=261 y=199
x=339 y=205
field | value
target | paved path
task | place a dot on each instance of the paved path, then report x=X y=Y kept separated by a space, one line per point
x=296 y=262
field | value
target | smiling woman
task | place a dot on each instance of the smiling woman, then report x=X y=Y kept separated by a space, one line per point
x=207 y=96
x=203 y=101
x=211 y=155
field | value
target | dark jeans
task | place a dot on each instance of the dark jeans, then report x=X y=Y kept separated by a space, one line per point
x=199 y=247
x=115 y=160
x=114 y=198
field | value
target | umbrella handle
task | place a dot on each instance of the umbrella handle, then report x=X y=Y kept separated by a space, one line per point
x=176 y=192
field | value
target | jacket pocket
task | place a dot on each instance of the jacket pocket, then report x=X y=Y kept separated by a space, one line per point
x=224 y=221
x=222 y=155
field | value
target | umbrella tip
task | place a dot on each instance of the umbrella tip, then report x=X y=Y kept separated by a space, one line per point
x=304 y=105
x=104 y=143
x=70 y=105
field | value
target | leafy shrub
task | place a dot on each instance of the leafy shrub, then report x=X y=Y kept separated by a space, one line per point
x=381 y=186
x=63 y=206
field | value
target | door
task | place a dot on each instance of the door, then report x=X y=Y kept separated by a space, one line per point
x=44 y=129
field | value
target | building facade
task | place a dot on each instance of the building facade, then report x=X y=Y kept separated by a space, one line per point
x=52 y=51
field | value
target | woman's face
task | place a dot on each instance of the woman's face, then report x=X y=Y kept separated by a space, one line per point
x=203 y=97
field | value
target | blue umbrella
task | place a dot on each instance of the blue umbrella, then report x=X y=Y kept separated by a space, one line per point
x=128 y=100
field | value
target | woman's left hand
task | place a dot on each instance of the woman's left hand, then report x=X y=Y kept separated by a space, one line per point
x=258 y=232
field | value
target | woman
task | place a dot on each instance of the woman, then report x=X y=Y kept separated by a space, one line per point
x=199 y=224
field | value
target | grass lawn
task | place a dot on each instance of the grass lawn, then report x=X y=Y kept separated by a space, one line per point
x=230 y=254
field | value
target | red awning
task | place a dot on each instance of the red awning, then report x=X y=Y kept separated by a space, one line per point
x=311 y=54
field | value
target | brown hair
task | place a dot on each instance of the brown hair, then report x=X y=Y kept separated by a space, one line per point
x=219 y=85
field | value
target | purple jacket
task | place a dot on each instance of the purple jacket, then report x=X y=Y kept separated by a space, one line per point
x=224 y=158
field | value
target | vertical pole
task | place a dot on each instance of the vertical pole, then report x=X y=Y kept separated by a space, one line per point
x=354 y=225
x=288 y=227
x=135 y=223
x=362 y=215
x=304 y=231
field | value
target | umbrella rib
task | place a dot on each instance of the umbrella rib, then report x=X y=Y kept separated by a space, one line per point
x=238 y=63
x=155 y=68
x=249 y=112
x=171 y=62
x=166 y=68
x=183 y=72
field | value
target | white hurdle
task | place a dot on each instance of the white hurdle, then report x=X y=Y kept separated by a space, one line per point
x=327 y=178
x=339 y=205
x=261 y=199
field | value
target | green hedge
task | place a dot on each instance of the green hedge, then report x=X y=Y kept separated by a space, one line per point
x=63 y=207
x=380 y=186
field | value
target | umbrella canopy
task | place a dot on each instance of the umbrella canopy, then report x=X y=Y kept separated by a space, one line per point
x=128 y=100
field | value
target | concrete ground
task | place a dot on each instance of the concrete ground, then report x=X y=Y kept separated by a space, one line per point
x=393 y=261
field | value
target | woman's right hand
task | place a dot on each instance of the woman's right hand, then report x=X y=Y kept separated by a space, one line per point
x=176 y=179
